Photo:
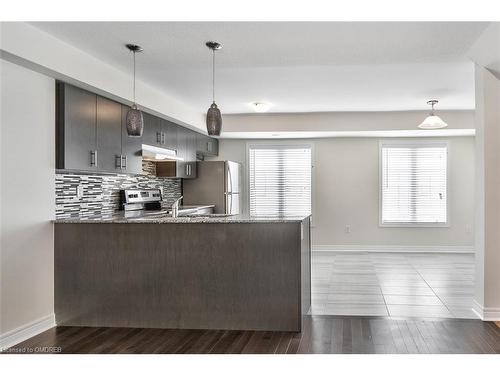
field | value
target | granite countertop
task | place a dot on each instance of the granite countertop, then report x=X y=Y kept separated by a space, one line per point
x=195 y=219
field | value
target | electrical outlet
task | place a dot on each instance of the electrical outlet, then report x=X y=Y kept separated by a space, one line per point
x=79 y=191
x=347 y=229
x=468 y=228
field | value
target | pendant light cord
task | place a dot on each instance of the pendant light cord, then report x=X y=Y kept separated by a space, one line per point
x=134 y=76
x=213 y=75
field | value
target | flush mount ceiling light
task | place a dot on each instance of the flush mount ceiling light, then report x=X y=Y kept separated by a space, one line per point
x=432 y=121
x=214 y=117
x=135 y=122
x=261 y=106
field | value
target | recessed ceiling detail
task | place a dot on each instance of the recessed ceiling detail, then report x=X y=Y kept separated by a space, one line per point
x=301 y=67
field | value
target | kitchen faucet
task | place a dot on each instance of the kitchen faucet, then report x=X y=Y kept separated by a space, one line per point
x=175 y=207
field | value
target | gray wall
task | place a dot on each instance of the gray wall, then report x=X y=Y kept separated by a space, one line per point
x=346 y=192
x=27 y=197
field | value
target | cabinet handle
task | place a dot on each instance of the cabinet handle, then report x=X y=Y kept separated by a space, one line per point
x=93 y=158
x=208 y=146
x=158 y=137
x=187 y=169
x=162 y=138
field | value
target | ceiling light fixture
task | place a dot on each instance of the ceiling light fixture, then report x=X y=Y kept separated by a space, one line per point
x=214 y=117
x=135 y=121
x=261 y=107
x=432 y=121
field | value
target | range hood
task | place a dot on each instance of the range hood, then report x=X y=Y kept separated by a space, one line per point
x=159 y=154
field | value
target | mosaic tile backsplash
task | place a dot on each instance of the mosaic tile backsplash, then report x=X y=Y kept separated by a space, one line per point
x=101 y=193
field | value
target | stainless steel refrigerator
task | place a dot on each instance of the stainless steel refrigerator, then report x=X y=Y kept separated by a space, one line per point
x=217 y=182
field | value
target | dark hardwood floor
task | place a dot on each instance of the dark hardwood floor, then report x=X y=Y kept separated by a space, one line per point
x=321 y=334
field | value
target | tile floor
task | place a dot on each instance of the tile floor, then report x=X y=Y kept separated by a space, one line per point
x=421 y=285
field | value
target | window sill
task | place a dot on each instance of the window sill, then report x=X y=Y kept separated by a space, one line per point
x=414 y=225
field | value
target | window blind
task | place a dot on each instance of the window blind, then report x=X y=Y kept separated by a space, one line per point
x=413 y=184
x=280 y=180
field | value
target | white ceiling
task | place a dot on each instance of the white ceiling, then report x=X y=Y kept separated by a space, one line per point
x=299 y=67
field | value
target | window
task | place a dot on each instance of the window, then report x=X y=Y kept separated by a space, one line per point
x=280 y=180
x=413 y=184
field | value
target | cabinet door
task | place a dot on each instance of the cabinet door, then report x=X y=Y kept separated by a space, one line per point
x=182 y=166
x=109 y=135
x=213 y=146
x=131 y=148
x=77 y=123
x=152 y=130
x=206 y=145
x=169 y=134
x=201 y=143
x=191 y=153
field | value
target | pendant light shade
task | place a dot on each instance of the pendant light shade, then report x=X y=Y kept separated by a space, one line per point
x=214 y=120
x=214 y=117
x=432 y=121
x=134 y=121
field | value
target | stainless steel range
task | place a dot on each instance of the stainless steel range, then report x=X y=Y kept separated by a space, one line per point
x=142 y=202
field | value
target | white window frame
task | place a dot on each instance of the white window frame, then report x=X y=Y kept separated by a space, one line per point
x=282 y=144
x=415 y=143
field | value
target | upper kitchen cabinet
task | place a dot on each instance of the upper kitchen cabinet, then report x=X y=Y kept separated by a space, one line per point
x=159 y=132
x=76 y=128
x=169 y=131
x=131 y=153
x=109 y=135
x=152 y=130
x=91 y=133
x=186 y=149
x=207 y=145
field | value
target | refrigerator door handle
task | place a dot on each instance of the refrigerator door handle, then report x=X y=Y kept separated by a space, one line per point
x=229 y=203
x=230 y=187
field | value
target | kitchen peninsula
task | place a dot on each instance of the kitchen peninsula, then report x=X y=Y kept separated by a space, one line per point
x=209 y=272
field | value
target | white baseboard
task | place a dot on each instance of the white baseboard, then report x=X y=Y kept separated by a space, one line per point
x=490 y=314
x=26 y=331
x=394 y=249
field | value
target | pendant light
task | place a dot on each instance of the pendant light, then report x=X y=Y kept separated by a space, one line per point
x=135 y=121
x=432 y=121
x=214 y=118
